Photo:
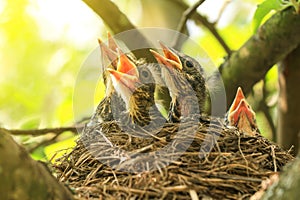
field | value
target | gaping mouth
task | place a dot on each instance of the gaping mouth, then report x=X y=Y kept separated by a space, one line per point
x=243 y=110
x=126 y=72
x=109 y=51
x=169 y=59
x=238 y=97
x=240 y=110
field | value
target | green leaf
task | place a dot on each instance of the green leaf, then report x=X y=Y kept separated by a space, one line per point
x=263 y=10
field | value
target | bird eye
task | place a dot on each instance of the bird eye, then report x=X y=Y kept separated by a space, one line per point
x=145 y=73
x=189 y=64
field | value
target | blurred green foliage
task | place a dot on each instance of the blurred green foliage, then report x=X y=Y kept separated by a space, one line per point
x=38 y=72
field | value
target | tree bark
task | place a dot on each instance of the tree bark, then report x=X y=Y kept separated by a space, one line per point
x=24 y=178
x=289 y=98
x=118 y=22
x=288 y=184
x=273 y=41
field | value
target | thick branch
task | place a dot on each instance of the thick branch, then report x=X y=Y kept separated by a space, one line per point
x=24 y=178
x=289 y=98
x=37 y=132
x=273 y=41
x=288 y=184
x=118 y=22
x=111 y=15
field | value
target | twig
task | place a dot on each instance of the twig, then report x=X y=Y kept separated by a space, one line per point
x=38 y=132
x=274 y=158
x=201 y=20
x=185 y=16
x=83 y=120
x=242 y=154
x=211 y=27
x=105 y=138
x=222 y=10
x=44 y=143
x=193 y=195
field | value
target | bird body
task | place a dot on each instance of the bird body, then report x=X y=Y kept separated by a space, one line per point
x=112 y=104
x=185 y=80
x=105 y=111
x=136 y=87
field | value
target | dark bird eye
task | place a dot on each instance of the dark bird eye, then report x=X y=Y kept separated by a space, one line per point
x=145 y=73
x=189 y=64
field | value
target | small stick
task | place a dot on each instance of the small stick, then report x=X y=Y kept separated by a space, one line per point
x=274 y=158
x=185 y=16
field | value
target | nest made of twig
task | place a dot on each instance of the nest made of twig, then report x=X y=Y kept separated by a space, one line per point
x=180 y=161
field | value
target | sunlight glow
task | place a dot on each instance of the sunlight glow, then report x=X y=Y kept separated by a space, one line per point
x=2 y=6
x=58 y=60
x=71 y=20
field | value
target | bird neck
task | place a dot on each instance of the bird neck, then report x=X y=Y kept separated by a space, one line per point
x=141 y=104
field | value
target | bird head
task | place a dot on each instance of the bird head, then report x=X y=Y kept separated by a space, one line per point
x=136 y=87
x=124 y=77
x=241 y=114
x=113 y=59
x=177 y=60
x=174 y=60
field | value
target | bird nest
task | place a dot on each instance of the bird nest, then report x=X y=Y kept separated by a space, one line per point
x=190 y=160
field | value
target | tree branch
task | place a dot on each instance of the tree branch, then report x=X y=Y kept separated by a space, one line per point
x=43 y=143
x=288 y=103
x=185 y=16
x=118 y=22
x=224 y=6
x=273 y=41
x=211 y=27
x=287 y=187
x=24 y=178
x=38 y=132
x=201 y=20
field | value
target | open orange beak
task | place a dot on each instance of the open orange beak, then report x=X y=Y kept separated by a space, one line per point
x=238 y=97
x=241 y=114
x=125 y=65
x=169 y=59
x=109 y=53
x=126 y=72
x=125 y=79
x=112 y=44
x=244 y=113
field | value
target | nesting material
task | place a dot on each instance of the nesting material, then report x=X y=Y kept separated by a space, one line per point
x=190 y=160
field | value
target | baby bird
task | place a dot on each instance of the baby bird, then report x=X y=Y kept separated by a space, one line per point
x=111 y=104
x=241 y=115
x=184 y=77
x=136 y=87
